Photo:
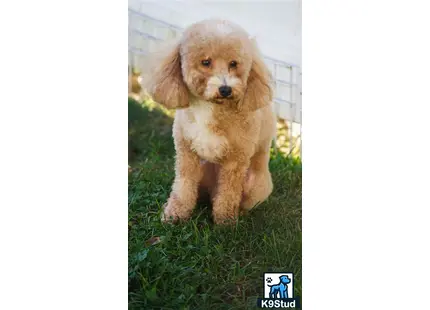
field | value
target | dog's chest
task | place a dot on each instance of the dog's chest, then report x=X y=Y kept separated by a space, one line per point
x=198 y=129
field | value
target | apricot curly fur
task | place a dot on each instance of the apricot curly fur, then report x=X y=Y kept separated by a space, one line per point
x=222 y=143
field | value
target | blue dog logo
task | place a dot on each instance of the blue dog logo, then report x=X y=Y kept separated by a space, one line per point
x=280 y=295
x=280 y=289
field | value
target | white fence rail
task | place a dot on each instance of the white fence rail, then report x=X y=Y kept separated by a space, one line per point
x=145 y=32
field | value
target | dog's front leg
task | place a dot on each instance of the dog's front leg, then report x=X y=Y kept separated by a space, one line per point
x=229 y=192
x=188 y=173
x=281 y=293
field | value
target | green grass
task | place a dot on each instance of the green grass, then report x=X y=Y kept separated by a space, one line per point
x=197 y=265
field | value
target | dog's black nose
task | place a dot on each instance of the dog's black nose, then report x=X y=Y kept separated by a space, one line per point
x=225 y=91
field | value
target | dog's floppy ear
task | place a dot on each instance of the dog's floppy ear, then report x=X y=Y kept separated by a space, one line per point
x=258 y=90
x=166 y=84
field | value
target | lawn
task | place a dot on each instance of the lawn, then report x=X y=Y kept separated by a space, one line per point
x=197 y=265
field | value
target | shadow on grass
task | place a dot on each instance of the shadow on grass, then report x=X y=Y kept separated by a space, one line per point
x=149 y=131
x=196 y=265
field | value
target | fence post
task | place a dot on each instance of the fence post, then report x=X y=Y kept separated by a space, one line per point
x=275 y=147
x=130 y=72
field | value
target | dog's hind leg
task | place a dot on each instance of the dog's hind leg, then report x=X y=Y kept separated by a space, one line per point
x=271 y=294
x=273 y=291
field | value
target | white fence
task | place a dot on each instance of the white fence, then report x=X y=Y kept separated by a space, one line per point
x=146 y=31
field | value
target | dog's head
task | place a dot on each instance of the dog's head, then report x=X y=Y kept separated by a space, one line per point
x=284 y=279
x=215 y=61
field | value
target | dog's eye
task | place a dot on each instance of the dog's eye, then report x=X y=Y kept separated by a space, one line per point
x=206 y=62
x=233 y=64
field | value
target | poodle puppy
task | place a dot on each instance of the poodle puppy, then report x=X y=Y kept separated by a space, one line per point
x=224 y=123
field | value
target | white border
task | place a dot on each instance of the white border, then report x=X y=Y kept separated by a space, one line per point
x=63 y=202
x=365 y=155
x=63 y=162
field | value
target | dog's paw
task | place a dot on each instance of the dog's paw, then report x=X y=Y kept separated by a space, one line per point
x=225 y=214
x=168 y=215
x=223 y=219
x=248 y=204
x=173 y=212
